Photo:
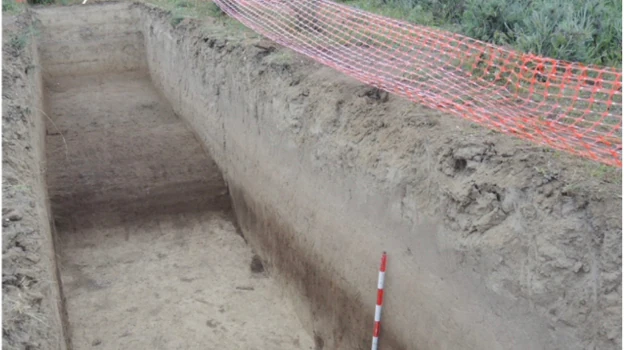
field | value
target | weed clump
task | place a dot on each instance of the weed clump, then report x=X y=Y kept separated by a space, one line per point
x=12 y=7
x=18 y=41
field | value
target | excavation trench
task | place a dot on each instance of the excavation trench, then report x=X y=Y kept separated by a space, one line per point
x=150 y=256
x=210 y=190
x=149 y=251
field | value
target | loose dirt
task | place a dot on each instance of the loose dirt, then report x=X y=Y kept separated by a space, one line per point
x=150 y=255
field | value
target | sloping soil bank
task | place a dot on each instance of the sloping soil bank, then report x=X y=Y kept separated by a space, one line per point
x=492 y=243
x=32 y=310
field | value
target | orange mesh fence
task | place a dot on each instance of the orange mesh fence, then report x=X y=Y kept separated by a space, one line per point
x=563 y=105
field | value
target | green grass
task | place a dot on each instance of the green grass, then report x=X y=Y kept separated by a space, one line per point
x=588 y=173
x=606 y=173
x=587 y=31
x=18 y=41
x=414 y=14
x=12 y=7
x=182 y=9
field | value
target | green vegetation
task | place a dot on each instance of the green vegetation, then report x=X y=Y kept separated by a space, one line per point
x=19 y=41
x=12 y=7
x=588 y=31
x=198 y=9
x=181 y=9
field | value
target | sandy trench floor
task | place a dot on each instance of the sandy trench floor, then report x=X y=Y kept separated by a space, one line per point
x=148 y=251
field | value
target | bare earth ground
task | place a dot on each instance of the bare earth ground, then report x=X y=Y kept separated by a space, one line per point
x=554 y=218
x=31 y=309
x=520 y=230
x=150 y=255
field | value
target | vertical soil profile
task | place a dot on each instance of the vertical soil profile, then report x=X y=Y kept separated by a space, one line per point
x=191 y=185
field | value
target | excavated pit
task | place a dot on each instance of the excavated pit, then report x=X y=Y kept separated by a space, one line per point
x=149 y=251
x=209 y=189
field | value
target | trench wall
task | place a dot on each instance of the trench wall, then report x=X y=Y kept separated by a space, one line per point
x=89 y=39
x=492 y=243
x=40 y=43
x=33 y=308
x=487 y=250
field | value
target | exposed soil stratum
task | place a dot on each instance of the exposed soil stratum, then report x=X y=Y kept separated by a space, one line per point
x=194 y=186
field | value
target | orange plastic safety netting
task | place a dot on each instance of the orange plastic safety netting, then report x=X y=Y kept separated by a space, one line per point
x=567 y=106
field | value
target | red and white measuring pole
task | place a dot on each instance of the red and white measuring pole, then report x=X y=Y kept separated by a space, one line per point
x=380 y=292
